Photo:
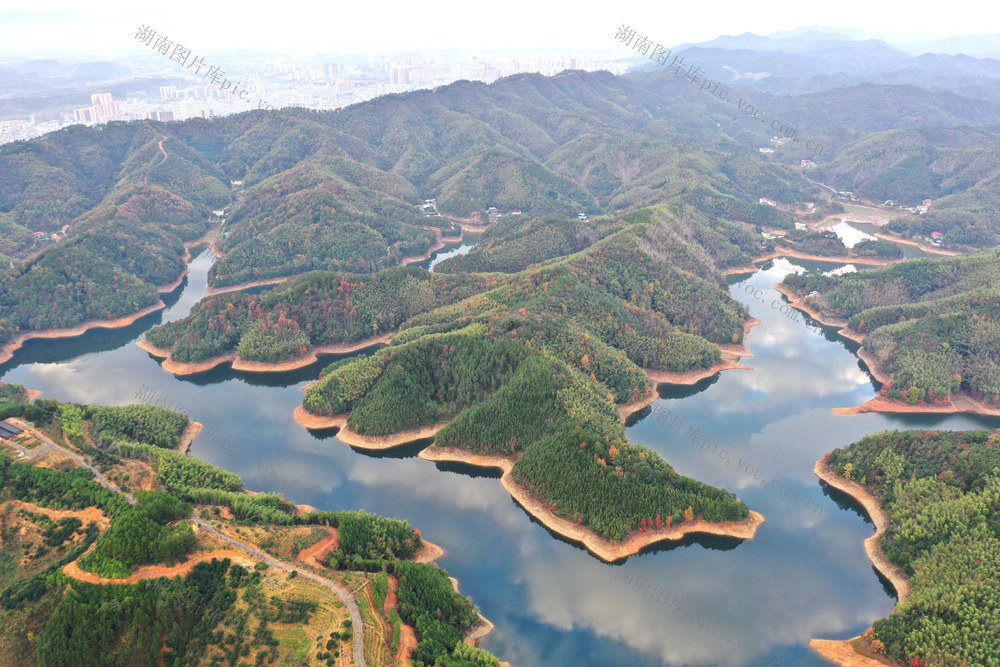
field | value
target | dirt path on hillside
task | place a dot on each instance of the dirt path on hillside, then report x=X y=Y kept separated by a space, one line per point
x=155 y=571
x=87 y=515
x=407 y=636
x=313 y=555
x=145 y=180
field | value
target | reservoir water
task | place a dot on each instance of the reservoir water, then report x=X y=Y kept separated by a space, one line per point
x=703 y=601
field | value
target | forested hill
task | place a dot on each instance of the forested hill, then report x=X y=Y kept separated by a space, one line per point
x=654 y=276
x=58 y=606
x=528 y=363
x=931 y=325
x=532 y=368
x=128 y=208
x=941 y=490
x=957 y=168
x=344 y=190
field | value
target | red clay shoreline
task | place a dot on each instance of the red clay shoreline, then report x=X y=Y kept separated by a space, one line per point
x=926 y=248
x=781 y=251
x=238 y=364
x=731 y=355
x=799 y=303
x=369 y=442
x=479 y=629
x=958 y=402
x=788 y=252
x=8 y=350
x=191 y=432
x=842 y=652
x=603 y=549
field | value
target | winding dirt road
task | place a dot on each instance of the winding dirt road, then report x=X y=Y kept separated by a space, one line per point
x=346 y=597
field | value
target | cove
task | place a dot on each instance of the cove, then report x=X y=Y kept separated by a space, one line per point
x=701 y=600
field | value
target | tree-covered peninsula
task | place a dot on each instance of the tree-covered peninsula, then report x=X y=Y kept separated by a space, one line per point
x=929 y=326
x=939 y=492
x=533 y=372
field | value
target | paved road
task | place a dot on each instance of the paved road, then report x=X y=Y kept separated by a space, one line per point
x=346 y=597
x=49 y=446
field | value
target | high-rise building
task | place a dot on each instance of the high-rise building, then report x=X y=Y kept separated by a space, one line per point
x=399 y=74
x=102 y=109
x=189 y=109
x=160 y=115
x=419 y=73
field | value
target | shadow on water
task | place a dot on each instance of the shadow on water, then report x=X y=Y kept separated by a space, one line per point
x=844 y=501
x=671 y=392
x=469 y=470
x=713 y=542
x=224 y=372
x=59 y=350
x=674 y=391
x=736 y=278
x=887 y=586
x=637 y=417
x=170 y=299
x=407 y=451
x=847 y=502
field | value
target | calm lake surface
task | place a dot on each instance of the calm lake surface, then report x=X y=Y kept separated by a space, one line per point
x=699 y=602
x=851 y=235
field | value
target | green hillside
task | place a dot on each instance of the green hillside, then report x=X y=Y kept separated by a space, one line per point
x=930 y=324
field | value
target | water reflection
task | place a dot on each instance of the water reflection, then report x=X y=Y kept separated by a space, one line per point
x=468 y=242
x=849 y=234
x=699 y=601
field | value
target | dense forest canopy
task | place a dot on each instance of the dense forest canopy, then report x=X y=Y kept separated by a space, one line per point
x=942 y=493
x=199 y=614
x=646 y=288
x=343 y=191
x=532 y=369
x=319 y=308
x=930 y=324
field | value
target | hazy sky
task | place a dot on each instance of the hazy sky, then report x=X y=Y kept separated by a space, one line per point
x=52 y=27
